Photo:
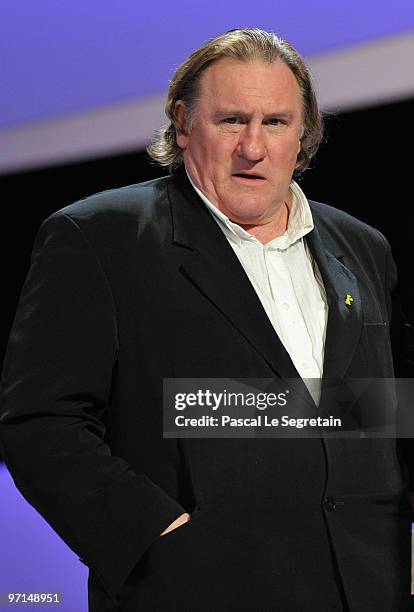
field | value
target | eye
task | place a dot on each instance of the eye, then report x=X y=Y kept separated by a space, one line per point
x=231 y=120
x=274 y=121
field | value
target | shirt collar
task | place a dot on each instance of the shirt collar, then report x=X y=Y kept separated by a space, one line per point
x=300 y=220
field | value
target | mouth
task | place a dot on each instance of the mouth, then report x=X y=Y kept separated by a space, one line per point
x=249 y=177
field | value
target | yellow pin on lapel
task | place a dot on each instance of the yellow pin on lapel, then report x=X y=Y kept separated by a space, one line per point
x=349 y=299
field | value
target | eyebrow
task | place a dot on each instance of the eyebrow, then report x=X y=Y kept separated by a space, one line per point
x=238 y=113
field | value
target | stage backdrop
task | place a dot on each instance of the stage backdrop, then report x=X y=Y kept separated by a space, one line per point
x=81 y=79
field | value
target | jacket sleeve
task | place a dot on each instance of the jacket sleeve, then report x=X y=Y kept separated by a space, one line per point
x=55 y=388
x=402 y=332
x=402 y=343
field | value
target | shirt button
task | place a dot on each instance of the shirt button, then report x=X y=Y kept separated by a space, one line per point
x=286 y=306
x=329 y=504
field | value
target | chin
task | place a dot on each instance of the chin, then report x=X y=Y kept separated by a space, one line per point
x=248 y=205
x=245 y=214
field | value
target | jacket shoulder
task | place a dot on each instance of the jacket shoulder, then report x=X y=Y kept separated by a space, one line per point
x=111 y=218
x=131 y=200
x=340 y=226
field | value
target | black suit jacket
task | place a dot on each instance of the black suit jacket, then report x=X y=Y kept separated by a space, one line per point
x=136 y=284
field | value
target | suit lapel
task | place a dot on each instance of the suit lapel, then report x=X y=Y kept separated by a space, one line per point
x=212 y=266
x=215 y=270
x=344 y=319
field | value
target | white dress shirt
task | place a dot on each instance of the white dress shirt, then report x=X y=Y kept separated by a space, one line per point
x=288 y=284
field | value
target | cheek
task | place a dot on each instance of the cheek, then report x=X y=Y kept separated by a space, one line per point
x=220 y=157
x=287 y=154
x=224 y=147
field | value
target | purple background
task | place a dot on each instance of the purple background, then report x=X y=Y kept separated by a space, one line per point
x=33 y=558
x=63 y=56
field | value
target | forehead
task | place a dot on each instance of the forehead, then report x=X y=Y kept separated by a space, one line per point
x=231 y=81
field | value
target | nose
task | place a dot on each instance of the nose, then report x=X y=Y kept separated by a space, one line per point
x=251 y=143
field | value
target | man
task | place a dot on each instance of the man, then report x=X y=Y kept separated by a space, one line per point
x=221 y=270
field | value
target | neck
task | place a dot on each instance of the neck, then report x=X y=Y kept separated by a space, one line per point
x=274 y=228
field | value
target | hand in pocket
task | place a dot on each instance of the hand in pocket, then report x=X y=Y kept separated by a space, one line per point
x=177 y=523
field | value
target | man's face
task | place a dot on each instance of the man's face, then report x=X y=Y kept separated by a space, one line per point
x=247 y=122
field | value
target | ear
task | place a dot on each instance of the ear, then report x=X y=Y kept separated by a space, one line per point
x=180 y=113
x=302 y=131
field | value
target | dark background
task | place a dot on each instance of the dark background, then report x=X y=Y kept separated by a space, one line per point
x=364 y=166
